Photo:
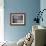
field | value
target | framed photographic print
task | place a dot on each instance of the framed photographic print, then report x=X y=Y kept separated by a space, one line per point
x=17 y=19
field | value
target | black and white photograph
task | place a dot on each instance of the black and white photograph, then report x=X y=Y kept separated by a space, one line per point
x=17 y=18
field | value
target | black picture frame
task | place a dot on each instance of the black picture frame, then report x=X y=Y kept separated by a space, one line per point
x=17 y=19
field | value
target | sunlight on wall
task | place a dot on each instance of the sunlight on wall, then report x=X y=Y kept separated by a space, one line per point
x=1 y=21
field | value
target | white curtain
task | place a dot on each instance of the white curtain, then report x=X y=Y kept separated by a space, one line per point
x=1 y=20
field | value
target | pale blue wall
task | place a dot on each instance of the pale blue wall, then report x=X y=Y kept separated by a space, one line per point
x=43 y=6
x=30 y=7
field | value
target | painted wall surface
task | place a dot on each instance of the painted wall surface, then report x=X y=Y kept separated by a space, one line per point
x=29 y=7
x=43 y=6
